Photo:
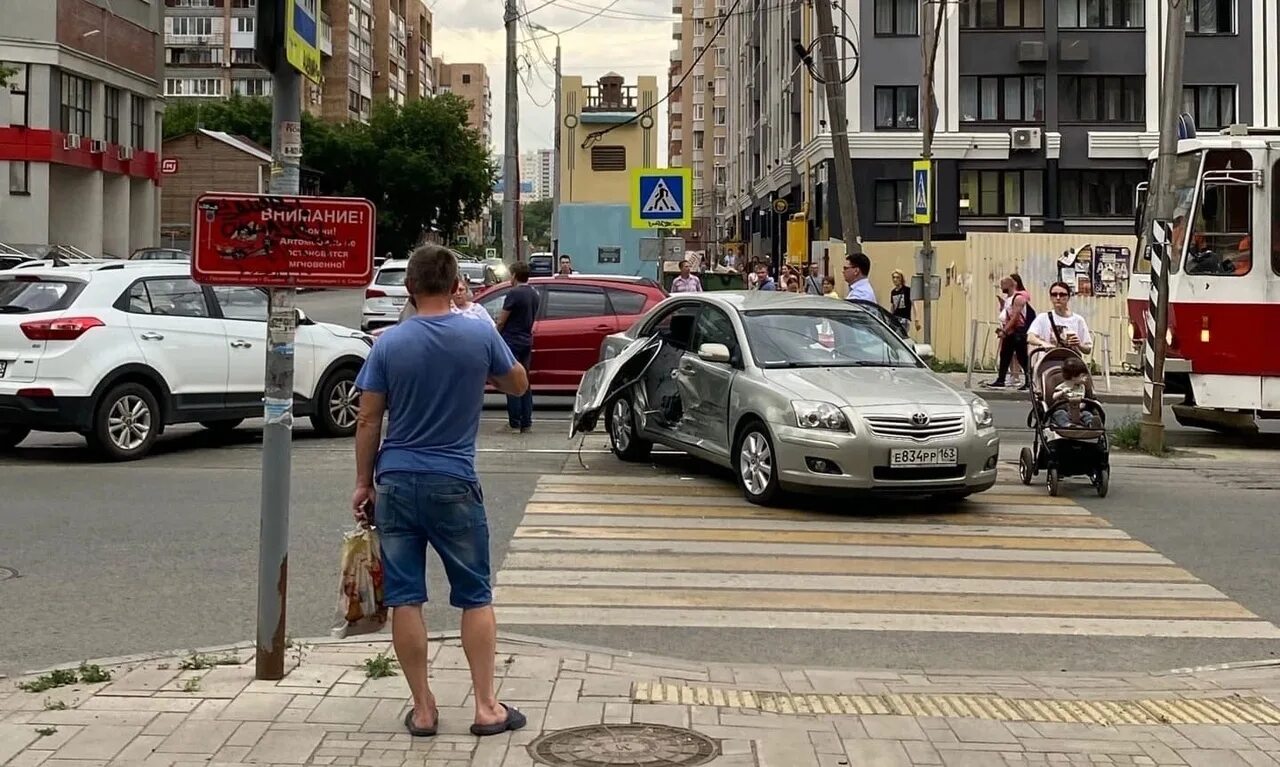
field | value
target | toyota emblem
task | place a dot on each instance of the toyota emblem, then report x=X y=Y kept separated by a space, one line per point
x=920 y=419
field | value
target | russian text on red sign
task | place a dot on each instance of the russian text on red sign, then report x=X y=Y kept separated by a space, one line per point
x=275 y=240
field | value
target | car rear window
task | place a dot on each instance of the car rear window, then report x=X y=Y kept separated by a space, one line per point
x=26 y=295
x=390 y=277
x=471 y=271
x=626 y=302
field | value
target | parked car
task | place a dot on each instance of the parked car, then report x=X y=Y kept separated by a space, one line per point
x=791 y=392
x=13 y=261
x=385 y=297
x=160 y=254
x=118 y=351
x=542 y=264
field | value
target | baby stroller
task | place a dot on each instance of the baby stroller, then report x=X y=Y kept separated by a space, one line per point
x=1070 y=451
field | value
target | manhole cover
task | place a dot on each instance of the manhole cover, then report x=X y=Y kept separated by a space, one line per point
x=650 y=745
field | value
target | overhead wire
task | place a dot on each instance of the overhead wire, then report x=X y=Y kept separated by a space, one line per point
x=595 y=136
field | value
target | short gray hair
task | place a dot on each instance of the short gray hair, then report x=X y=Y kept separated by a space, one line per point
x=432 y=271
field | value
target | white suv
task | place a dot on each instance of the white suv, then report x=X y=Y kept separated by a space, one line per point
x=386 y=297
x=118 y=351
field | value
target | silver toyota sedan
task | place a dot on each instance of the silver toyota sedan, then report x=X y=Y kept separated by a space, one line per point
x=792 y=393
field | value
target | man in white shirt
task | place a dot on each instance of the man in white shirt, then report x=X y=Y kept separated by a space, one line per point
x=1060 y=327
x=857 y=272
x=687 y=281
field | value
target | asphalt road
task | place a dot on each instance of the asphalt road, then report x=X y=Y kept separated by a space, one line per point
x=105 y=559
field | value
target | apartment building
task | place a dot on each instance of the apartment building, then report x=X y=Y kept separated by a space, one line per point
x=370 y=49
x=1047 y=110
x=471 y=82
x=80 y=123
x=537 y=168
x=209 y=50
x=697 y=112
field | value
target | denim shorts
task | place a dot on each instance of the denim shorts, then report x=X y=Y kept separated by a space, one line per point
x=416 y=510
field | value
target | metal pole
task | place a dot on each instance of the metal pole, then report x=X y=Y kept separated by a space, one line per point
x=928 y=116
x=277 y=434
x=511 y=152
x=1162 y=204
x=836 y=115
x=555 y=180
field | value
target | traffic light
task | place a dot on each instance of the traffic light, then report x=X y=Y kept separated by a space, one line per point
x=268 y=34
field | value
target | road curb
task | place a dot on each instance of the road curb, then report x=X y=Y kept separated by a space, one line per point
x=557 y=644
x=1014 y=395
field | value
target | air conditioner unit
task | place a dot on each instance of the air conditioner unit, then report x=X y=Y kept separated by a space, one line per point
x=125 y=153
x=1019 y=224
x=71 y=141
x=1025 y=139
x=98 y=146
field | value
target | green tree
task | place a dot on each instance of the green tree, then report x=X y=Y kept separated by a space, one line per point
x=239 y=115
x=6 y=72
x=537 y=223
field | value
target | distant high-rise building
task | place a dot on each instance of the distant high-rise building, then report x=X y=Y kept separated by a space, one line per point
x=537 y=168
x=697 y=115
x=471 y=82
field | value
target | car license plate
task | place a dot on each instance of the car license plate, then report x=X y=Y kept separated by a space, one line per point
x=933 y=456
x=400 y=302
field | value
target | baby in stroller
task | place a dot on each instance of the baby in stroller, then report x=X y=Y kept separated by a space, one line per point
x=1067 y=402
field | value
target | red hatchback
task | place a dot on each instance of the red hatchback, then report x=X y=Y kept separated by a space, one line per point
x=575 y=314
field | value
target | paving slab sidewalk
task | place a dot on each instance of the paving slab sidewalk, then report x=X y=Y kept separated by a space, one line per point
x=1124 y=389
x=160 y=712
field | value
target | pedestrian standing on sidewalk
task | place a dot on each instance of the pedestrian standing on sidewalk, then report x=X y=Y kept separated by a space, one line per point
x=813 y=281
x=515 y=323
x=686 y=281
x=1016 y=317
x=419 y=485
x=857 y=274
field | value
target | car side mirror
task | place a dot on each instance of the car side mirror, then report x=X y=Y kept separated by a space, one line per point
x=714 y=353
x=303 y=319
x=924 y=351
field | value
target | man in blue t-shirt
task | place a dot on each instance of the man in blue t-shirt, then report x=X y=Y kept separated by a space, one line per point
x=515 y=323
x=419 y=485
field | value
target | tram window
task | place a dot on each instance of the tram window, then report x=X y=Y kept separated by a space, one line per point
x=1221 y=240
x=1275 y=218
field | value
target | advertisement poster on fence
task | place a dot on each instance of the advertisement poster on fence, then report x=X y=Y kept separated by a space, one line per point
x=1111 y=268
x=1076 y=269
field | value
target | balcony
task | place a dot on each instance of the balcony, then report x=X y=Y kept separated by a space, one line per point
x=677 y=108
x=676 y=55
x=326 y=35
x=677 y=7
x=676 y=30
x=215 y=38
x=621 y=98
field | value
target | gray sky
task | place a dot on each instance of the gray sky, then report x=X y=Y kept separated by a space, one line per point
x=621 y=40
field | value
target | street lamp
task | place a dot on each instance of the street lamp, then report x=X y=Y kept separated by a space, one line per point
x=555 y=181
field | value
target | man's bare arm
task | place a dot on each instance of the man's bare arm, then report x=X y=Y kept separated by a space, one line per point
x=515 y=382
x=503 y=316
x=368 y=435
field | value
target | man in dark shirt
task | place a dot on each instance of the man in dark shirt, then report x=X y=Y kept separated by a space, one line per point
x=515 y=323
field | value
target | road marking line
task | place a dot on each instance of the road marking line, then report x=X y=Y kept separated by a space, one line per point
x=539 y=519
x=835 y=565
x=831 y=538
x=862 y=602
x=900 y=622
x=521 y=543
x=859 y=584
x=676 y=505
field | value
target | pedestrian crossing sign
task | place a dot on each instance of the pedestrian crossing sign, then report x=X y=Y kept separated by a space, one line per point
x=660 y=198
x=922 y=192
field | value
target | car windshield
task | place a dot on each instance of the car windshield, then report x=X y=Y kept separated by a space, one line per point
x=390 y=277
x=471 y=271
x=23 y=296
x=811 y=339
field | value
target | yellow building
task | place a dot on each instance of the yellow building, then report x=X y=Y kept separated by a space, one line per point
x=606 y=134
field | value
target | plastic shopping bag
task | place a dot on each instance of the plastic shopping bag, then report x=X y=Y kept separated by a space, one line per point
x=361 y=606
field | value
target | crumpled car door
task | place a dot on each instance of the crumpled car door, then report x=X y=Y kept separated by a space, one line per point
x=605 y=380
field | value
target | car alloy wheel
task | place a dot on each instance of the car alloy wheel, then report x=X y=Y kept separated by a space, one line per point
x=129 y=423
x=755 y=463
x=620 y=431
x=344 y=404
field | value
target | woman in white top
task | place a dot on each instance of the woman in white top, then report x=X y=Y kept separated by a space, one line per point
x=1060 y=327
x=462 y=304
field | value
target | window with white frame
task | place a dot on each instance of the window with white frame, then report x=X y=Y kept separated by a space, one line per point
x=191 y=26
x=719 y=145
x=244 y=23
x=1212 y=106
x=256 y=86
x=1211 y=17
x=193 y=86
x=699 y=83
x=719 y=113
x=699 y=112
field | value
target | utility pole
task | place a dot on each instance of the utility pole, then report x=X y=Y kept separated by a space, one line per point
x=555 y=180
x=833 y=79
x=1161 y=208
x=511 y=153
x=929 y=118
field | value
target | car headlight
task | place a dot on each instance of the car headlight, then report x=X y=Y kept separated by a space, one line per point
x=982 y=413
x=820 y=415
x=608 y=352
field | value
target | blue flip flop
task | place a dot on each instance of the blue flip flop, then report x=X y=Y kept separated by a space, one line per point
x=514 y=721
x=420 y=732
